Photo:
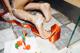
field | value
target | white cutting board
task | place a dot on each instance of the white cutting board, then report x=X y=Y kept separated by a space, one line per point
x=6 y=35
x=38 y=44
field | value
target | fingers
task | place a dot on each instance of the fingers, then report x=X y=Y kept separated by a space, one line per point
x=44 y=7
x=21 y=14
x=26 y=16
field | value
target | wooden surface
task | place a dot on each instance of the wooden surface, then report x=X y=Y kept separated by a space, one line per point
x=74 y=2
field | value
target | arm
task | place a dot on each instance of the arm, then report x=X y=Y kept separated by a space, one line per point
x=7 y=5
x=19 y=4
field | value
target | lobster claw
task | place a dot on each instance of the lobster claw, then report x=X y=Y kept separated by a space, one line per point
x=15 y=22
x=33 y=28
x=55 y=30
